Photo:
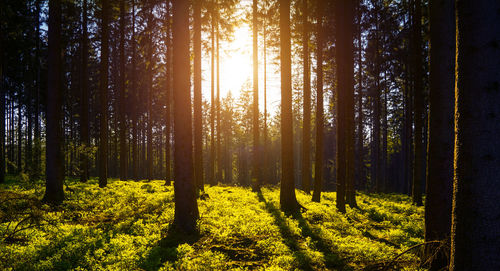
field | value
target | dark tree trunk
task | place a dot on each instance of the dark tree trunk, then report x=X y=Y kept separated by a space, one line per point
x=168 y=111
x=2 y=108
x=440 y=143
x=217 y=102
x=186 y=208
x=212 y=99
x=149 y=89
x=103 y=93
x=122 y=98
x=288 y=201
x=255 y=109
x=133 y=103
x=418 y=104
x=318 y=167
x=306 y=132
x=360 y=136
x=198 y=128
x=54 y=193
x=475 y=227
x=349 y=101
x=37 y=148
x=84 y=100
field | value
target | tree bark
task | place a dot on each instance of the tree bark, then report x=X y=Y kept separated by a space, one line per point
x=318 y=167
x=306 y=132
x=475 y=231
x=186 y=208
x=255 y=109
x=84 y=100
x=438 y=201
x=122 y=93
x=418 y=104
x=198 y=128
x=288 y=201
x=103 y=95
x=54 y=193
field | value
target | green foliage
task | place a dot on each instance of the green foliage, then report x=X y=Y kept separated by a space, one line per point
x=125 y=226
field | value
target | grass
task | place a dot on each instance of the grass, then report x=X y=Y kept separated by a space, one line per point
x=125 y=226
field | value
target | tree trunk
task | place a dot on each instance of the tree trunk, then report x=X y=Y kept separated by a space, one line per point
x=418 y=105
x=168 y=111
x=2 y=109
x=133 y=103
x=255 y=110
x=84 y=100
x=103 y=93
x=318 y=167
x=475 y=227
x=149 y=89
x=186 y=208
x=288 y=201
x=54 y=193
x=306 y=132
x=212 y=98
x=121 y=106
x=198 y=128
x=349 y=102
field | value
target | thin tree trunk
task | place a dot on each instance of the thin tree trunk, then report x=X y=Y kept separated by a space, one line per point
x=186 y=208
x=84 y=101
x=306 y=132
x=122 y=98
x=475 y=231
x=133 y=103
x=318 y=167
x=2 y=108
x=149 y=86
x=198 y=128
x=103 y=91
x=418 y=105
x=212 y=99
x=217 y=102
x=255 y=110
x=168 y=111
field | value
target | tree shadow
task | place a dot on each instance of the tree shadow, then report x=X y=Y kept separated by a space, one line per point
x=165 y=250
x=331 y=257
x=305 y=262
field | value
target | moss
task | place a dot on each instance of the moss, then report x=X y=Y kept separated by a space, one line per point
x=126 y=227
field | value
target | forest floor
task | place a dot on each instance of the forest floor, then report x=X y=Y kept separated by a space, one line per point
x=125 y=226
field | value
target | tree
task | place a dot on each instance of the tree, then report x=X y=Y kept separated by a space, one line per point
x=255 y=109
x=103 y=95
x=418 y=104
x=2 y=106
x=186 y=207
x=54 y=193
x=84 y=99
x=348 y=87
x=288 y=201
x=475 y=230
x=122 y=93
x=149 y=89
x=168 y=94
x=318 y=167
x=198 y=128
x=438 y=201
x=306 y=132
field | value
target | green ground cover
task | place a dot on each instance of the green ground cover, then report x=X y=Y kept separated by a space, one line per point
x=125 y=226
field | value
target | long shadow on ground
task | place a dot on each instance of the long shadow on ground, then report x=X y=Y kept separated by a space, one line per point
x=166 y=249
x=332 y=260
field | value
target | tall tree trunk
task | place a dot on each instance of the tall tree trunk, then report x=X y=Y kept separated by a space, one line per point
x=341 y=77
x=103 y=93
x=255 y=110
x=198 y=128
x=288 y=201
x=133 y=103
x=2 y=108
x=186 y=208
x=475 y=227
x=318 y=167
x=217 y=102
x=54 y=193
x=349 y=102
x=361 y=153
x=306 y=132
x=168 y=111
x=19 y=136
x=37 y=148
x=265 y=155
x=122 y=98
x=438 y=201
x=149 y=89
x=440 y=144
x=418 y=104
x=212 y=97
x=84 y=100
